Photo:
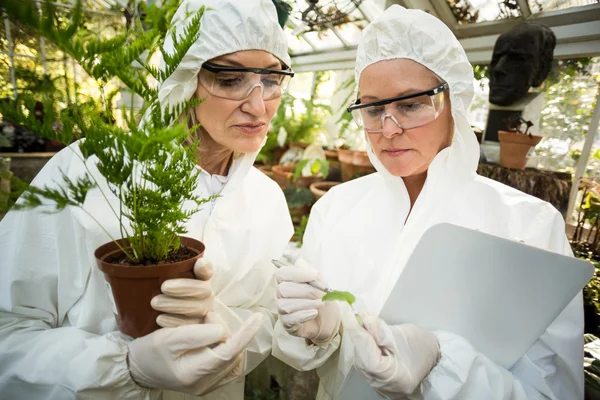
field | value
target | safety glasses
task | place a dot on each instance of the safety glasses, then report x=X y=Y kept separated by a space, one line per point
x=236 y=83
x=408 y=111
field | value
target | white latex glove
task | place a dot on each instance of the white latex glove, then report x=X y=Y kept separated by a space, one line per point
x=185 y=301
x=301 y=310
x=194 y=359
x=393 y=359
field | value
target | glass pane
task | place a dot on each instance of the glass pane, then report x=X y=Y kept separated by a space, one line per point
x=351 y=32
x=25 y=41
x=316 y=15
x=324 y=40
x=471 y=11
x=6 y=87
x=326 y=86
x=3 y=37
x=296 y=43
x=570 y=91
x=301 y=85
x=552 y=5
x=104 y=25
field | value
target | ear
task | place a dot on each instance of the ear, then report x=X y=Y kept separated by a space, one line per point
x=546 y=57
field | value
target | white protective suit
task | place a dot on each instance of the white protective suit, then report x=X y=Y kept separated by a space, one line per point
x=360 y=238
x=58 y=336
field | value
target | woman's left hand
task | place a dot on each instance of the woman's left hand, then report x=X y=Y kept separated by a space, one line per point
x=186 y=301
x=393 y=359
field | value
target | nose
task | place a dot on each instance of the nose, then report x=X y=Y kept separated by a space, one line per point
x=499 y=69
x=254 y=103
x=390 y=126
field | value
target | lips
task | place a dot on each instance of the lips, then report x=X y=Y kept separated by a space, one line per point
x=396 y=152
x=253 y=128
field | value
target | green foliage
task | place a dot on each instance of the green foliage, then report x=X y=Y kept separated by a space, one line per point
x=337 y=295
x=570 y=91
x=591 y=361
x=298 y=197
x=345 y=119
x=481 y=72
x=301 y=127
x=300 y=229
x=587 y=244
x=150 y=167
x=319 y=167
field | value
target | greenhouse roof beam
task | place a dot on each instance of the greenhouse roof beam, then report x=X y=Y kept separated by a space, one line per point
x=337 y=34
x=569 y=16
x=302 y=35
x=444 y=12
x=524 y=7
x=577 y=40
x=365 y=16
x=85 y=9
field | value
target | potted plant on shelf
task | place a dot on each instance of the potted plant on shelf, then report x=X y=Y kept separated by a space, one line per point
x=354 y=163
x=302 y=174
x=299 y=201
x=146 y=173
x=312 y=166
x=318 y=189
x=515 y=143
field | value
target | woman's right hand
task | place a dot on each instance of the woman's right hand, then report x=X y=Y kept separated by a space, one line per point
x=302 y=312
x=194 y=359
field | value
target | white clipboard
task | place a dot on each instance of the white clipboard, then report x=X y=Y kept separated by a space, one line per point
x=480 y=287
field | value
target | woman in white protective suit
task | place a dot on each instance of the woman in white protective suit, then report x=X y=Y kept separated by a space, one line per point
x=414 y=87
x=58 y=336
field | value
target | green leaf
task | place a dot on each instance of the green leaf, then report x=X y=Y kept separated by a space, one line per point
x=298 y=171
x=337 y=295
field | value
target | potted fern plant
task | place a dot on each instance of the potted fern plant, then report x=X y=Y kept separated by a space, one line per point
x=147 y=173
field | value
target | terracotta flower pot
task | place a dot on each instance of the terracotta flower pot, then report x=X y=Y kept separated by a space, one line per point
x=514 y=148
x=354 y=163
x=346 y=156
x=134 y=286
x=320 y=188
x=299 y=145
x=331 y=155
x=267 y=170
x=284 y=174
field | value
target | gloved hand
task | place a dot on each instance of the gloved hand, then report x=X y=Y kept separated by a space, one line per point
x=194 y=359
x=301 y=310
x=185 y=301
x=393 y=359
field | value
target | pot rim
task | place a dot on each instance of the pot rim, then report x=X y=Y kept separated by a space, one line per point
x=145 y=271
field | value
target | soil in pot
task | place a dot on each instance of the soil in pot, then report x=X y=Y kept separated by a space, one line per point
x=514 y=148
x=134 y=286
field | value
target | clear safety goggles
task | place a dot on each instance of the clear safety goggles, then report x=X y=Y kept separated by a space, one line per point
x=409 y=111
x=236 y=83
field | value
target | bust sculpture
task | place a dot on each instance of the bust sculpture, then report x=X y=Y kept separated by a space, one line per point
x=522 y=58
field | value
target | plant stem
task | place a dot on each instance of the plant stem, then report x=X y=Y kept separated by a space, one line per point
x=105 y=231
x=99 y=188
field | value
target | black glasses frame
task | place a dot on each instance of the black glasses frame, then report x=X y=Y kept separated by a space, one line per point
x=357 y=105
x=261 y=71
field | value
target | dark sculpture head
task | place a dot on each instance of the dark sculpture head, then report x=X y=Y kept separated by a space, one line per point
x=522 y=58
